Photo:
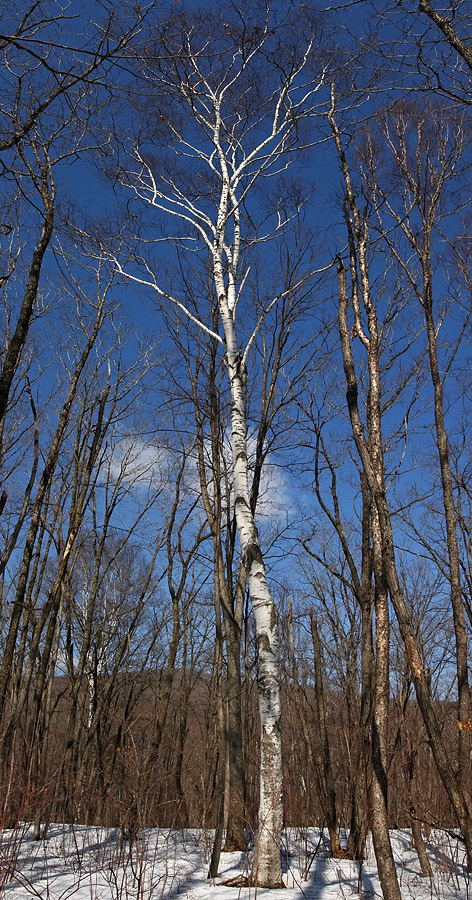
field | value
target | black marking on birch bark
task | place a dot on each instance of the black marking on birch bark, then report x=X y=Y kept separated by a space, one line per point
x=263 y=643
x=244 y=378
x=252 y=554
x=351 y=396
x=242 y=500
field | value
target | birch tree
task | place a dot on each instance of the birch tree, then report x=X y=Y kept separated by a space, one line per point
x=227 y=102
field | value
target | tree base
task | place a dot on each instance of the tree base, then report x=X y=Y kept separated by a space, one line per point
x=241 y=881
x=342 y=854
x=235 y=846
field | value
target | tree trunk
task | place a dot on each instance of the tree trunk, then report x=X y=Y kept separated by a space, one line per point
x=328 y=779
x=235 y=820
x=266 y=870
x=222 y=734
x=379 y=785
x=462 y=668
x=420 y=846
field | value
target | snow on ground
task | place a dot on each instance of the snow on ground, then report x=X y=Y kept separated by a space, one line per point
x=94 y=864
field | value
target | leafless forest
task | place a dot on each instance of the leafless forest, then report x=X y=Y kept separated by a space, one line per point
x=236 y=499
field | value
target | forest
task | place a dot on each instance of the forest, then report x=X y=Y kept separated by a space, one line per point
x=235 y=396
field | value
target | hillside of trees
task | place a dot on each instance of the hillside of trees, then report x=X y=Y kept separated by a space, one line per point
x=236 y=480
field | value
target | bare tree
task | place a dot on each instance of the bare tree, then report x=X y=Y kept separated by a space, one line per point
x=425 y=159
x=368 y=440
x=246 y=88
x=49 y=91
x=91 y=326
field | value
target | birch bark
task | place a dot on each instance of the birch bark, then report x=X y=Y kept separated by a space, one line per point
x=266 y=869
x=244 y=89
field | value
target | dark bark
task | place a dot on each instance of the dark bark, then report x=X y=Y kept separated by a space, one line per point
x=332 y=819
x=18 y=339
x=381 y=701
x=462 y=668
x=44 y=484
x=420 y=845
x=445 y=26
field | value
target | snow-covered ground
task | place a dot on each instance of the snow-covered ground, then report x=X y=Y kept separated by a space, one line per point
x=94 y=864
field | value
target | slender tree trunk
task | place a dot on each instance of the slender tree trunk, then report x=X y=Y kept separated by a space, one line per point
x=359 y=824
x=230 y=599
x=379 y=785
x=222 y=748
x=373 y=469
x=416 y=663
x=235 y=819
x=420 y=845
x=361 y=789
x=184 y=693
x=267 y=870
x=462 y=668
x=44 y=732
x=362 y=588
x=415 y=823
x=328 y=779
x=43 y=487
x=17 y=341
x=421 y=183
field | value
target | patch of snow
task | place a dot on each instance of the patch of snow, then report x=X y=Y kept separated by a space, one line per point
x=86 y=863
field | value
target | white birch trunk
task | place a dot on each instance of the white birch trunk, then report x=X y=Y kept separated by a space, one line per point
x=237 y=140
x=266 y=870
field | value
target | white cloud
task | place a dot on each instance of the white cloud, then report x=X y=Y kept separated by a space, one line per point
x=143 y=465
x=139 y=463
